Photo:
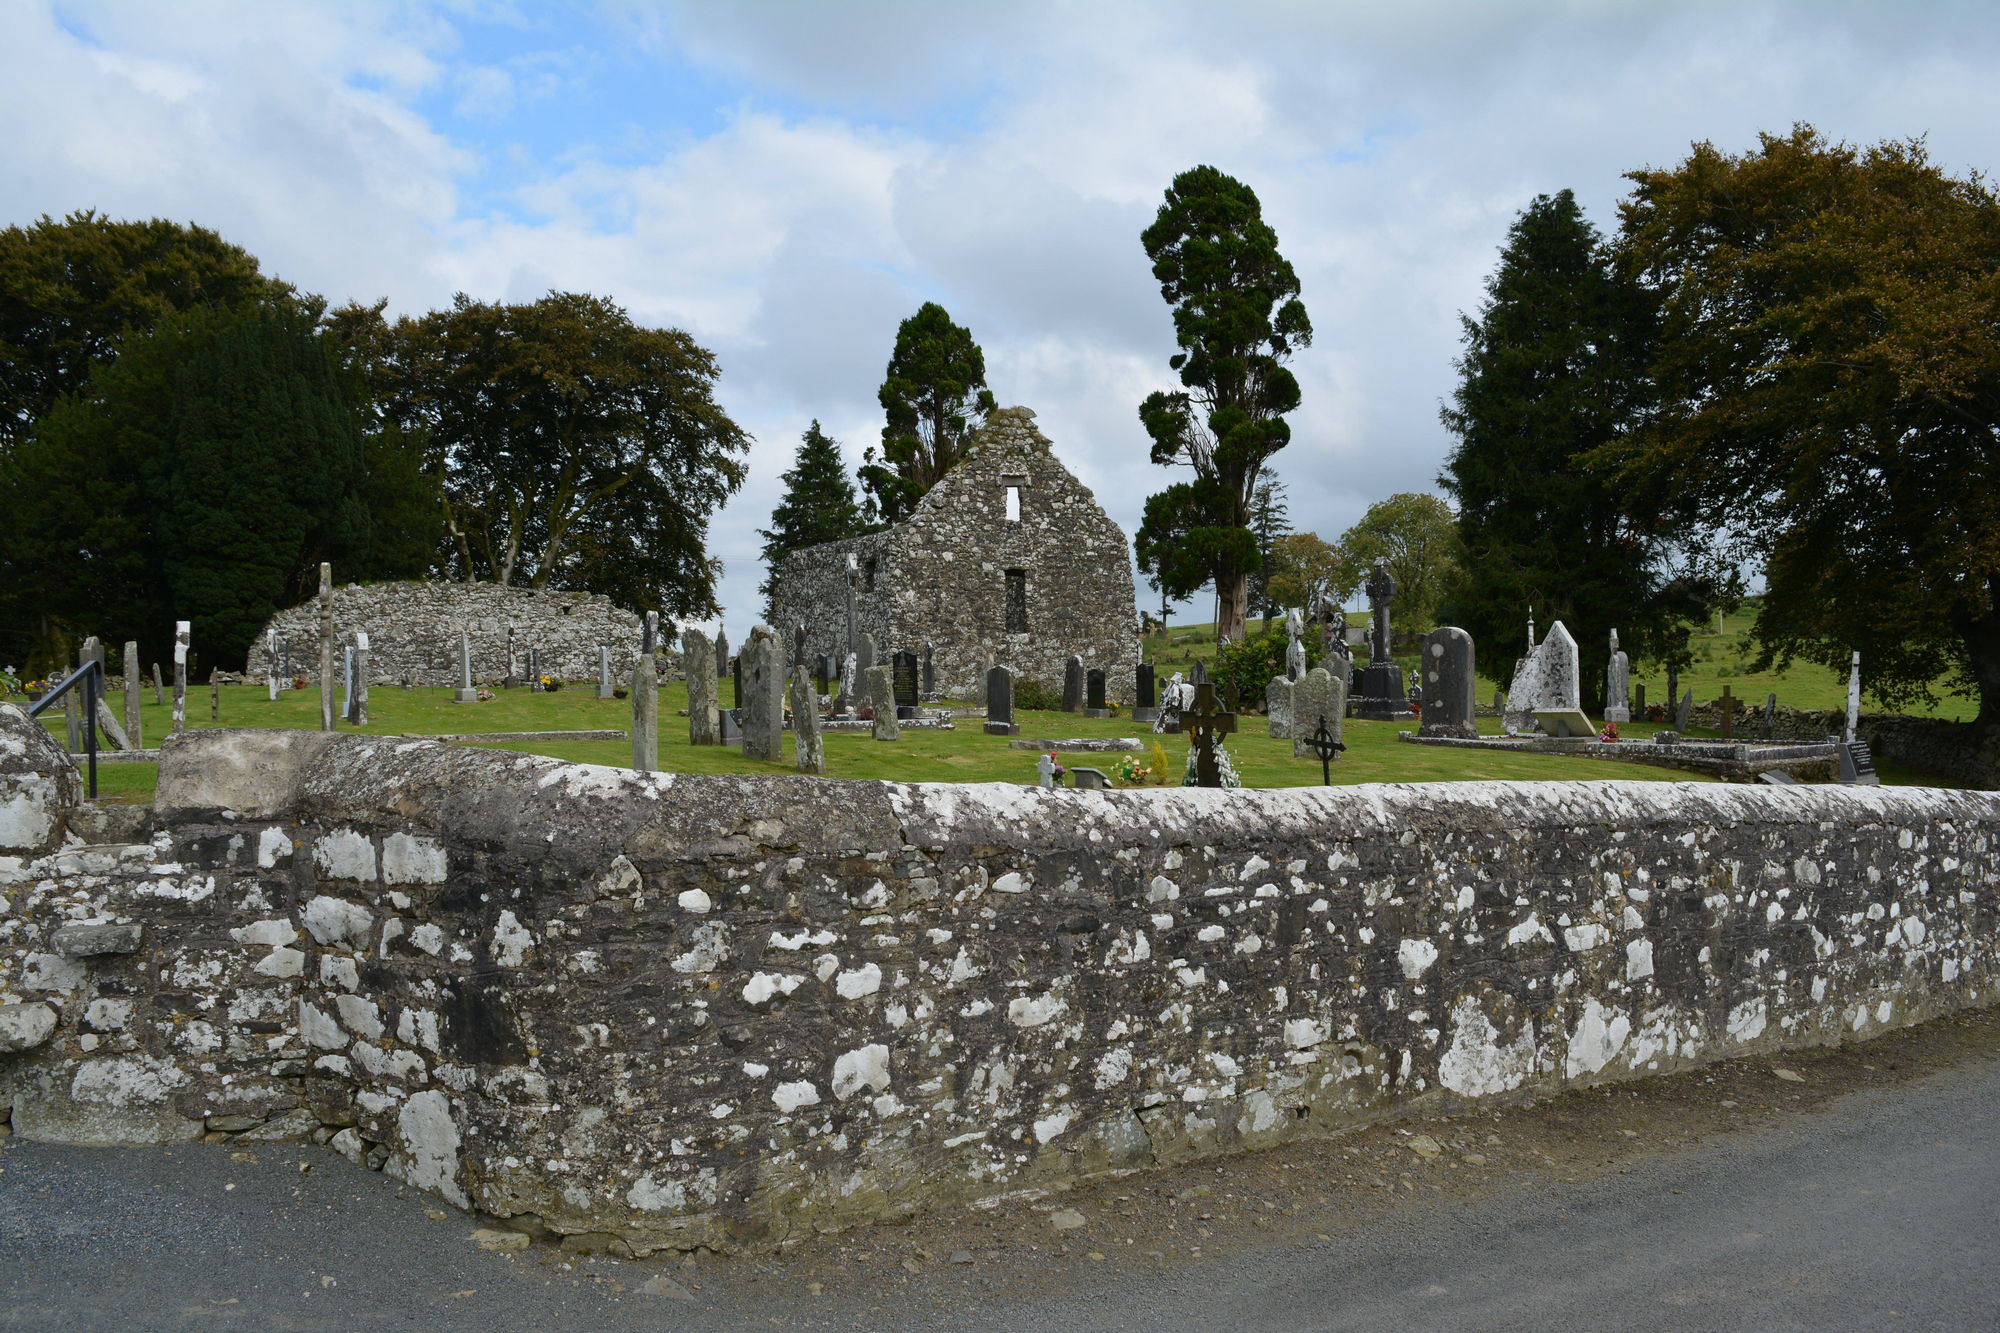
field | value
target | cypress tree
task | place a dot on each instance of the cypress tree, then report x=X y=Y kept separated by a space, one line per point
x=819 y=505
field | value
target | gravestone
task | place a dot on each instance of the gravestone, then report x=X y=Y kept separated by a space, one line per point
x=135 y=727
x=1770 y=713
x=904 y=681
x=1857 y=765
x=465 y=693
x=1319 y=694
x=1727 y=705
x=1093 y=694
x=1147 y=708
x=1177 y=696
x=1295 y=648
x=850 y=684
x=865 y=654
x=646 y=698
x=930 y=673
x=1206 y=725
x=159 y=689
x=798 y=647
x=1450 y=706
x=346 y=682
x=357 y=703
x=728 y=726
x=698 y=660
x=1558 y=701
x=1639 y=701
x=181 y=676
x=1278 y=707
x=511 y=676
x=1853 y=695
x=825 y=672
x=736 y=682
x=760 y=705
x=271 y=664
x=1682 y=711
x=1332 y=632
x=1045 y=772
x=1382 y=696
x=1000 y=703
x=806 y=740
x=721 y=653
x=604 y=688
x=325 y=647
x=1617 y=685
x=215 y=701
x=881 y=690
x=1072 y=695
x=1089 y=779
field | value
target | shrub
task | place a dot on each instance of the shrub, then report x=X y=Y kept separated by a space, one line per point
x=1037 y=694
x=1248 y=666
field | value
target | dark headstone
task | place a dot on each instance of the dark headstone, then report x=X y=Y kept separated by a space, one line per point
x=1093 y=694
x=798 y=647
x=731 y=732
x=1857 y=765
x=1639 y=700
x=930 y=673
x=736 y=678
x=825 y=671
x=1072 y=695
x=721 y=652
x=1681 y=712
x=903 y=677
x=1448 y=684
x=1089 y=779
x=1000 y=703
x=1147 y=691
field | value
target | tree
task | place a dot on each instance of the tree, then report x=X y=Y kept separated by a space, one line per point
x=1557 y=364
x=70 y=290
x=1418 y=535
x=1829 y=374
x=571 y=447
x=1269 y=521
x=199 y=476
x=818 y=506
x=935 y=396
x=1237 y=318
x=1303 y=570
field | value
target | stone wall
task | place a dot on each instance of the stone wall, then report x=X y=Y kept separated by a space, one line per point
x=722 y=1011
x=413 y=631
x=1959 y=753
x=941 y=577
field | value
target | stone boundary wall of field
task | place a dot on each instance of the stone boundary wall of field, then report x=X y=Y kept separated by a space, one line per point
x=413 y=633
x=1958 y=752
x=727 y=1011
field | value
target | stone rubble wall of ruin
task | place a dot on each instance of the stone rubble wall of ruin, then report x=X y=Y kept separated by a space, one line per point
x=726 y=1011
x=413 y=632
x=812 y=591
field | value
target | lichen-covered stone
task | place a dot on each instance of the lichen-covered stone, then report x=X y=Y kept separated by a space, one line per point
x=39 y=786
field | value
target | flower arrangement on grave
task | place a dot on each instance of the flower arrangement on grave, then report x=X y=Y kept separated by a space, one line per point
x=301 y=680
x=1158 y=763
x=1610 y=732
x=1656 y=713
x=484 y=695
x=1129 y=769
x=9 y=682
x=1224 y=766
x=550 y=684
x=1056 y=773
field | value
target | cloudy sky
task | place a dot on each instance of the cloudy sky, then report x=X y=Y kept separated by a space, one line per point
x=789 y=180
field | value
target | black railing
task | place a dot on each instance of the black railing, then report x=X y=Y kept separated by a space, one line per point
x=90 y=677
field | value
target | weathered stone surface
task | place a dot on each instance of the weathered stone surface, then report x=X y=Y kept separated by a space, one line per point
x=39 y=787
x=93 y=940
x=1278 y=707
x=1617 y=684
x=880 y=691
x=761 y=709
x=698 y=655
x=25 y=1026
x=808 y=743
x=1320 y=693
x=943 y=578
x=1449 y=683
x=249 y=772
x=414 y=630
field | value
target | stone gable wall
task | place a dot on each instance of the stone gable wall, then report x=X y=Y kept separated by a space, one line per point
x=413 y=631
x=728 y=1010
x=941 y=576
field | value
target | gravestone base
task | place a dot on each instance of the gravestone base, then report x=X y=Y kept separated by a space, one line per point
x=1382 y=697
x=1464 y=731
x=1618 y=714
x=604 y=692
x=1145 y=715
x=1097 y=712
x=906 y=712
x=1377 y=708
x=1002 y=728
x=465 y=696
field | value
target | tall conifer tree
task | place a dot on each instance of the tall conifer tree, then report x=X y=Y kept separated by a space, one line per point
x=819 y=506
x=934 y=396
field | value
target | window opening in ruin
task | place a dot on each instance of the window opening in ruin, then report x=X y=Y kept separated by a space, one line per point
x=1017 y=601
x=1013 y=504
x=868 y=575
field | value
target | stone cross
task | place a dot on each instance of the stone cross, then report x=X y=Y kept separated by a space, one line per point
x=1325 y=746
x=698 y=662
x=465 y=693
x=811 y=749
x=1853 y=696
x=1206 y=725
x=1381 y=590
x=181 y=675
x=1295 y=648
x=1046 y=767
x=646 y=699
x=850 y=682
x=325 y=646
x=135 y=729
x=604 y=671
x=1617 y=684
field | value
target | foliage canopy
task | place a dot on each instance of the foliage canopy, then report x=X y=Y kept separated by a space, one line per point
x=819 y=505
x=935 y=397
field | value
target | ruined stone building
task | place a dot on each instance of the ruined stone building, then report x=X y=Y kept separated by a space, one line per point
x=1008 y=561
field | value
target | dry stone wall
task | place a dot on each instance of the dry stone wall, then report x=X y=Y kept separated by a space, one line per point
x=413 y=632
x=1960 y=753
x=724 y=1011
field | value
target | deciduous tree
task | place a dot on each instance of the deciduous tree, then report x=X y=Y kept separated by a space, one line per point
x=1829 y=378
x=1303 y=570
x=1418 y=535
x=1237 y=318
x=935 y=397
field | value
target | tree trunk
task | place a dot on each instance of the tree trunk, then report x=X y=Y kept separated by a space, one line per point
x=1982 y=649
x=1232 y=604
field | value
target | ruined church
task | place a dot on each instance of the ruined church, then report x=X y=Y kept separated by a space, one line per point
x=1008 y=561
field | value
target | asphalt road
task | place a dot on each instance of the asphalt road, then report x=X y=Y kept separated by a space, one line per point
x=1879 y=1209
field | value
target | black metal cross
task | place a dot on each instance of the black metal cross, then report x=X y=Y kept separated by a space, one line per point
x=1324 y=745
x=1206 y=723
